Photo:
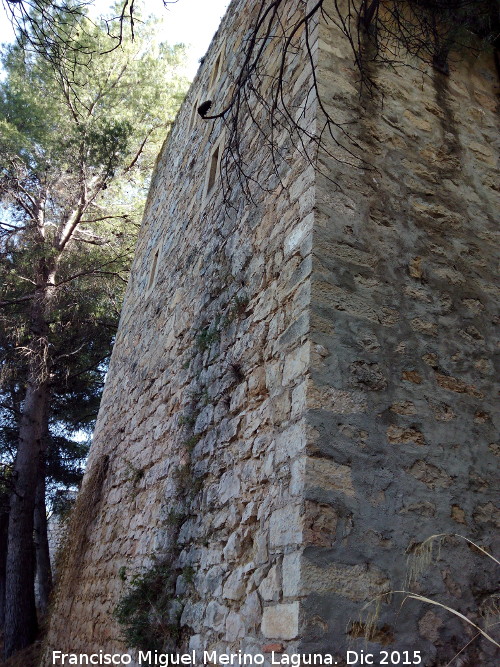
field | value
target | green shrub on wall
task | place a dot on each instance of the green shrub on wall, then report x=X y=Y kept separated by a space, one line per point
x=148 y=612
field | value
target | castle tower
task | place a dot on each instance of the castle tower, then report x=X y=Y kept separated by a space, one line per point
x=301 y=390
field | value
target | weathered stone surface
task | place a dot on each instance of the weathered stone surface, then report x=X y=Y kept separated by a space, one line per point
x=336 y=400
x=290 y=442
x=299 y=233
x=234 y=588
x=296 y=364
x=281 y=621
x=235 y=628
x=269 y=588
x=251 y=612
x=355 y=582
x=430 y=475
x=329 y=475
x=312 y=372
x=398 y=434
x=412 y=376
x=320 y=525
x=285 y=526
x=429 y=625
x=215 y=616
x=291 y=573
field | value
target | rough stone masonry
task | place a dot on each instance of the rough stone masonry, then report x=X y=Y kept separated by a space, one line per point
x=302 y=386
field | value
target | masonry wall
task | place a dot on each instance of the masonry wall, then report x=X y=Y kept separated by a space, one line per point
x=202 y=418
x=402 y=420
x=301 y=388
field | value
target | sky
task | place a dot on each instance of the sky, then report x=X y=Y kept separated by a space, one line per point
x=192 y=22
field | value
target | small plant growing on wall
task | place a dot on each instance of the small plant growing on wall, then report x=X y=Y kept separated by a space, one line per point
x=206 y=338
x=148 y=612
x=135 y=474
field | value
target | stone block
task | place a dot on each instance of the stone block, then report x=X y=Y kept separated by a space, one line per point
x=229 y=486
x=297 y=477
x=291 y=574
x=320 y=524
x=298 y=234
x=328 y=475
x=281 y=621
x=290 y=442
x=335 y=400
x=296 y=364
x=294 y=333
x=457 y=385
x=234 y=588
x=261 y=553
x=251 y=611
x=299 y=400
x=430 y=475
x=235 y=628
x=354 y=582
x=285 y=526
x=402 y=435
x=269 y=587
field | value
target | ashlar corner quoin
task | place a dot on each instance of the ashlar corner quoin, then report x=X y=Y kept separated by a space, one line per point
x=302 y=386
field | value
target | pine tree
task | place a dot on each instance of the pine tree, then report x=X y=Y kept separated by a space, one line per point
x=76 y=147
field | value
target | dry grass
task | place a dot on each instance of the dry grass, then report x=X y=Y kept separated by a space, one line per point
x=69 y=560
x=27 y=657
x=82 y=516
x=419 y=560
x=424 y=554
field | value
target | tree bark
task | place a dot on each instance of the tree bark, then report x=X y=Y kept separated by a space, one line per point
x=20 y=611
x=4 y=522
x=43 y=567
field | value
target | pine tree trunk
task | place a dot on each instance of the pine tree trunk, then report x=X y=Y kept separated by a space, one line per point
x=4 y=522
x=20 y=611
x=43 y=567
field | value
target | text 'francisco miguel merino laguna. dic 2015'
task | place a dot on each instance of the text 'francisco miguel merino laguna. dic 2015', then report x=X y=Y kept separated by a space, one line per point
x=208 y=658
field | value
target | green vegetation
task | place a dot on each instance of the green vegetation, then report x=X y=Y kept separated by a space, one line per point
x=175 y=519
x=148 y=612
x=188 y=573
x=135 y=474
x=206 y=338
x=78 y=143
x=210 y=334
x=187 y=420
x=191 y=442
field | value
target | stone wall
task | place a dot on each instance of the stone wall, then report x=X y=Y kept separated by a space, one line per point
x=301 y=387
x=202 y=416
x=401 y=420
